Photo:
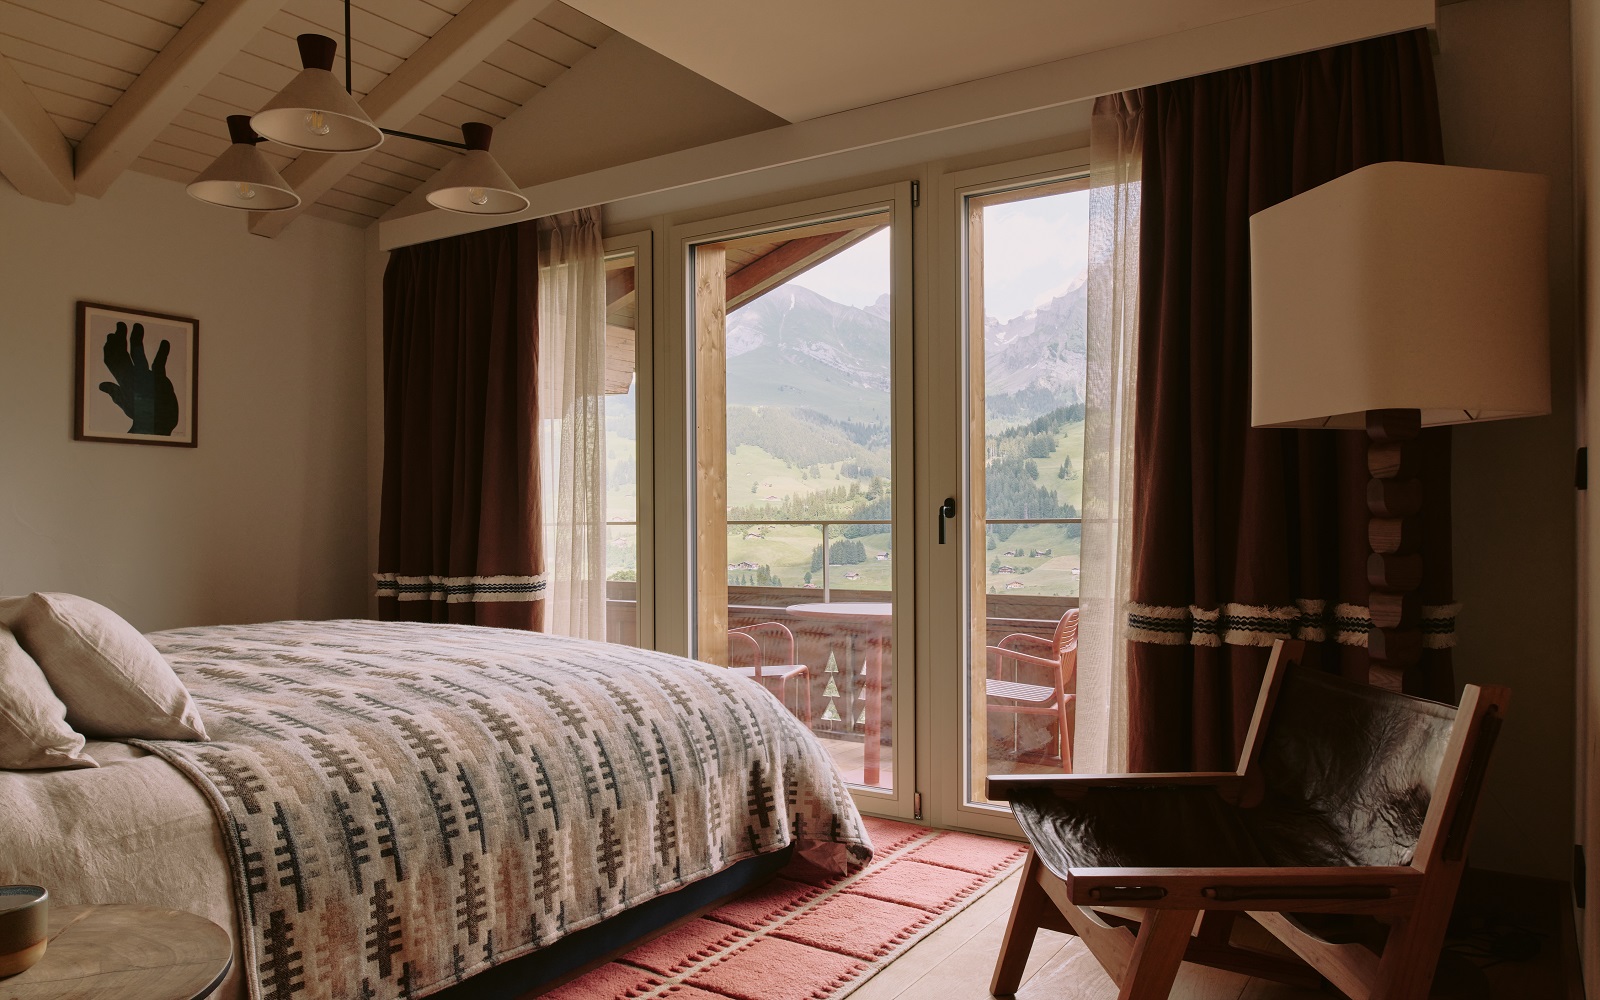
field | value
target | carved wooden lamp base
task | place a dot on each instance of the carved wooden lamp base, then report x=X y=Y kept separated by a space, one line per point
x=1394 y=565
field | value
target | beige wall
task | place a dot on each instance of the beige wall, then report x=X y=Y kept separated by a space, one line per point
x=1586 y=93
x=1504 y=71
x=266 y=519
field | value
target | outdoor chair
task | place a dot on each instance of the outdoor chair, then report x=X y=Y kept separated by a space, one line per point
x=788 y=679
x=1343 y=833
x=1057 y=659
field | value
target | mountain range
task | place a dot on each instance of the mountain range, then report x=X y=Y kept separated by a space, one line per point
x=794 y=347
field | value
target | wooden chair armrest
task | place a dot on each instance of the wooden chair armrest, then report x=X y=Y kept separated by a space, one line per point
x=1345 y=889
x=1227 y=783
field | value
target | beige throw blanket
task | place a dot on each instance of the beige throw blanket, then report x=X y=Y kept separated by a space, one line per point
x=405 y=805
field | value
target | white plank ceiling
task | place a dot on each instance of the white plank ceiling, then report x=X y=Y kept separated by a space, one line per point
x=77 y=57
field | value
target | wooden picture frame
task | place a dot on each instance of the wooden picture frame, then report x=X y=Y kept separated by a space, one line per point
x=138 y=377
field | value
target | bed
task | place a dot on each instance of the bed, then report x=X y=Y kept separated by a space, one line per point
x=388 y=809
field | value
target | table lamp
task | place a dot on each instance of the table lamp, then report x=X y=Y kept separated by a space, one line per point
x=1396 y=297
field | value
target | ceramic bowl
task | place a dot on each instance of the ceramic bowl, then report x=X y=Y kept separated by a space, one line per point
x=24 y=916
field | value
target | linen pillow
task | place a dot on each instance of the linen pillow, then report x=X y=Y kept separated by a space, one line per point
x=33 y=722
x=114 y=683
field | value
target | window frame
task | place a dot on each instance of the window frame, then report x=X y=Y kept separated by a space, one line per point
x=949 y=607
x=640 y=244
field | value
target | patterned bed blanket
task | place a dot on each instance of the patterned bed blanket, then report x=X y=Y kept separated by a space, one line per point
x=405 y=804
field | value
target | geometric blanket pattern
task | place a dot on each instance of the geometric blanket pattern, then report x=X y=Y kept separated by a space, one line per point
x=811 y=934
x=407 y=804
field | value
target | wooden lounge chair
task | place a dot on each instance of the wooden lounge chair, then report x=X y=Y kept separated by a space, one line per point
x=1350 y=812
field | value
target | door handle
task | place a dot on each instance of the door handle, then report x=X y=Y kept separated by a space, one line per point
x=947 y=510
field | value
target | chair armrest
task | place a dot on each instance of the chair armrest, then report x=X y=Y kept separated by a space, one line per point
x=784 y=634
x=1011 y=654
x=1344 y=889
x=1070 y=786
x=1024 y=637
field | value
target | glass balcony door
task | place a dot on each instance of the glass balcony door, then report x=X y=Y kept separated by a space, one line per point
x=1011 y=359
x=800 y=400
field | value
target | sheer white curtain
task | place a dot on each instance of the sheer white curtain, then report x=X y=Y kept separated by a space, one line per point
x=1115 y=160
x=572 y=350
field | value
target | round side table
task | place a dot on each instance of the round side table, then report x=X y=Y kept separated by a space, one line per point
x=125 y=953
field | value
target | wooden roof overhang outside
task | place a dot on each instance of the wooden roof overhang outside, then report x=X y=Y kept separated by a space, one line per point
x=755 y=266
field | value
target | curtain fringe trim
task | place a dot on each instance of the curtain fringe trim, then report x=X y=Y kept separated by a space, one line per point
x=1260 y=625
x=462 y=589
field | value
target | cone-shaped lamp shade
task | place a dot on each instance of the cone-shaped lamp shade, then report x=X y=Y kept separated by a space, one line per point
x=313 y=111
x=474 y=184
x=241 y=177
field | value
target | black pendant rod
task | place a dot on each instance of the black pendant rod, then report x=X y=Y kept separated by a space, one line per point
x=350 y=90
x=423 y=138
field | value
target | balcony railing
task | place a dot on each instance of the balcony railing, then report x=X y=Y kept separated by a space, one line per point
x=816 y=643
x=824 y=526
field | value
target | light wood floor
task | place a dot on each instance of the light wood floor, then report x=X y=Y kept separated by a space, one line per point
x=955 y=962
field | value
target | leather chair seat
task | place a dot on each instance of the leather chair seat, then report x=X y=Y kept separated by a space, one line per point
x=1348 y=777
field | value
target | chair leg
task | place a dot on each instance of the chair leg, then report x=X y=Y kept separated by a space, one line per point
x=1065 y=733
x=1411 y=954
x=1157 y=953
x=1027 y=912
x=1409 y=960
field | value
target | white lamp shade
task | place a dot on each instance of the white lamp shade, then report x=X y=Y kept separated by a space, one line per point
x=242 y=178
x=474 y=184
x=1402 y=286
x=314 y=111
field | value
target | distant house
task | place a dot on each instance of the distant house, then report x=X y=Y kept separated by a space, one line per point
x=881 y=556
x=752 y=534
x=772 y=499
x=1042 y=553
x=852 y=576
x=1006 y=569
x=1015 y=585
x=810 y=586
x=1009 y=553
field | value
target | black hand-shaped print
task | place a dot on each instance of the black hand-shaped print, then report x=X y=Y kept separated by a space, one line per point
x=144 y=392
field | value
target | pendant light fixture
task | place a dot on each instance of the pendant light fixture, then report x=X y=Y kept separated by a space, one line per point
x=315 y=111
x=476 y=184
x=241 y=177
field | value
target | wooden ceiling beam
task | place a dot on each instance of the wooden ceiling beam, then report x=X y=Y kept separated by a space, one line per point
x=34 y=156
x=213 y=35
x=437 y=65
x=787 y=260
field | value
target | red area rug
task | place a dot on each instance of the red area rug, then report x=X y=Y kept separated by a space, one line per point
x=810 y=936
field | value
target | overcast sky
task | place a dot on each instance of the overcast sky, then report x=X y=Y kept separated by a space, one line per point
x=1034 y=250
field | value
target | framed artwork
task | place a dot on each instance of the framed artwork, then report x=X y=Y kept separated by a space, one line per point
x=138 y=376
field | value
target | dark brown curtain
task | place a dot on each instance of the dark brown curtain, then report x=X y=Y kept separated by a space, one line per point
x=1242 y=536
x=460 y=538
